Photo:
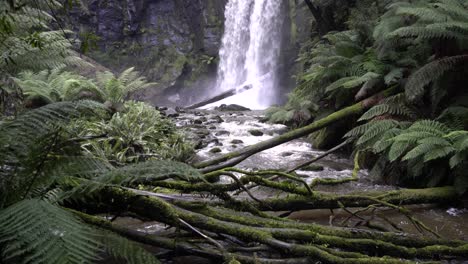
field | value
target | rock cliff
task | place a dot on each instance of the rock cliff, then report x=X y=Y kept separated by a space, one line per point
x=172 y=42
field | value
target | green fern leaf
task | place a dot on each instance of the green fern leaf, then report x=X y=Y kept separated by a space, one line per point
x=430 y=126
x=376 y=128
x=397 y=150
x=437 y=153
x=428 y=73
x=38 y=232
x=124 y=249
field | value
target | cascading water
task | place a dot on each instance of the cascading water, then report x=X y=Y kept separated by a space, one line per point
x=250 y=51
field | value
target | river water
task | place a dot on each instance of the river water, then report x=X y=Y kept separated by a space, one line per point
x=228 y=131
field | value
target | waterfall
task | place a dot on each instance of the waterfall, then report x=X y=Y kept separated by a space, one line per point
x=250 y=51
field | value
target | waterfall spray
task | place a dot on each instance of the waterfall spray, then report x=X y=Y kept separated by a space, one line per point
x=250 y=51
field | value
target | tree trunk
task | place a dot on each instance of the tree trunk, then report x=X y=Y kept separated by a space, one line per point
x=219 y=97
x=323 y=26
x=284 y=236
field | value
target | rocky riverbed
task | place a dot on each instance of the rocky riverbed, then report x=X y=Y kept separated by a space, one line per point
x=222 y=130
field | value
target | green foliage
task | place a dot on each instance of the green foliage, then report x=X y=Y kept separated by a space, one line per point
x=126 y=250
x=56 y=85
x=138 y=133
x=116 y=89
x=28 y=141
x=439 y=20
x=35 y=231
x=297 y=111
x=28 y=43
x=430 y=73
x=37 y=167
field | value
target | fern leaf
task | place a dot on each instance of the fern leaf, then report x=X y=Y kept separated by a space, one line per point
x=377 y=128
x=458 y=159
x=397 y=149
x=420 y=150
x=38 y=232
x=437 y=153
x=124 y=249
x=382 y=109
x=430 y=126
x=428 y=73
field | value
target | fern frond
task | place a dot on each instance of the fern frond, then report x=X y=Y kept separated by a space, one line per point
x=430 y=72
x=430 y=126
x=126 y=250
x=375 y=129
x=391 y=109
x=397 y=150
x=37 y=232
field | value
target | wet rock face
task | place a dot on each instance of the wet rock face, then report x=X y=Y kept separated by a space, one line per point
x=185 y=24
x=171 y=42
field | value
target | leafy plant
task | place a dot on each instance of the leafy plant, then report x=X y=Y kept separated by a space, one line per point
x=116 y=89
x=138 y=133
x=37 y=167
x=28 y=43
x=56 y=85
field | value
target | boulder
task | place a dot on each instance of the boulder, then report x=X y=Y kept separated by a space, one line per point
x=215 y=150
x=231 y=108
x=256 y=132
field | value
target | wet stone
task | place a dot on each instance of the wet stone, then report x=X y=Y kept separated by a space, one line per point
x=256 y=132
x=222 y=133
x=237 y=141
x=215 y=150
x=313 y=167
x=231 y=108
x=286 y=154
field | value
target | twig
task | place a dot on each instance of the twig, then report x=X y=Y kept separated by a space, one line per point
x=216 y=243
x=320 y=156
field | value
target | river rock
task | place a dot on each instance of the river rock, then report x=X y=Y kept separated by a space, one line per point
x=200 y=120
x=222 y=133
x=171 y=112
x=212 y=128
x=215 y=150
x=256 y=132
x=237 y=141
x=218 y=119
x=286 y=154
x=231 y=108
x=313 y=167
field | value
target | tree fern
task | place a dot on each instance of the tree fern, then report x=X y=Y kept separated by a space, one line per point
x=34 y=231
x=375 y=129
x=29 y=43
x=56 y=85
x=429 y=73
x=123 y=249
x=116 y=89
x=390 y=109
x=27 y=139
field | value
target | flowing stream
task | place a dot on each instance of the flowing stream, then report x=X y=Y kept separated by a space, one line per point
x=250 y=51
x=228 y=131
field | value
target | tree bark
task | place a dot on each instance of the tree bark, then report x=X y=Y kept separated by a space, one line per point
x=323 y=26
x=283 y=235
x=219 y=97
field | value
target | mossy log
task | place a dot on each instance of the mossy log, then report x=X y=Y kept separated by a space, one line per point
x=236 y=157
x=282 y=236
x=219 y=97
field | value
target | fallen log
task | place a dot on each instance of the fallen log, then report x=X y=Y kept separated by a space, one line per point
x=220 y=97
x=234 y=158
x=285 y=237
